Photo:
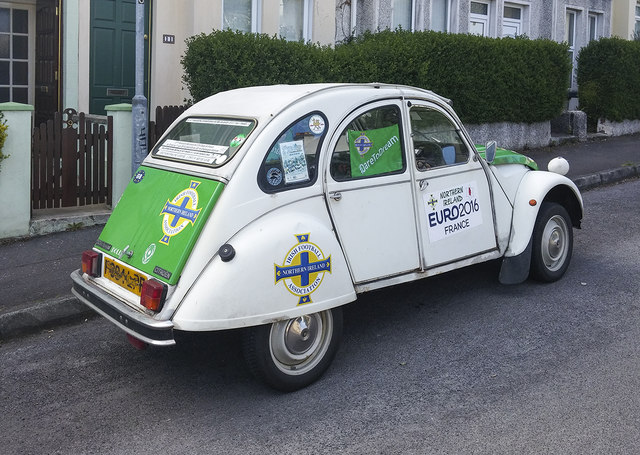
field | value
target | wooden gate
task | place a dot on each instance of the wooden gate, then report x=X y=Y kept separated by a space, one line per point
x=71 y=158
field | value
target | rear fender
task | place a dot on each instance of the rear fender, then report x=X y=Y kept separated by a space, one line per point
x=286 y=263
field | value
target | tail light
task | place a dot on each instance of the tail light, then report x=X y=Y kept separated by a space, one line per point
x=137 y=343
x=153 y=294
x=91 y=263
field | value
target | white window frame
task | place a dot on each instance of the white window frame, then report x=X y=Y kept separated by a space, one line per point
x=31 y=43
x=256 y=15
x=481 y=18
x=521 y=24
x=572 y=15
x=637 y=23
x=307 y=21
x=595 y=25
x=354 y=17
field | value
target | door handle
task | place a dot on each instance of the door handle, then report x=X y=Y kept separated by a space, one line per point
x=336 y=196
x=423 y=184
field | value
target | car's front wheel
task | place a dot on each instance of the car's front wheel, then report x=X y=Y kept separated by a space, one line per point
x=552 y=243
x=289 y=355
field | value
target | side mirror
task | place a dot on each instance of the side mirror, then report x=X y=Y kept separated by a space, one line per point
x=490 y=152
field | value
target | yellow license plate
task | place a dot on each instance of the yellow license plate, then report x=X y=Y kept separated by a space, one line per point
x=123 y=276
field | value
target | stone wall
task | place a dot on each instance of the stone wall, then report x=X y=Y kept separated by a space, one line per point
x=618 y=128
x=513 y=136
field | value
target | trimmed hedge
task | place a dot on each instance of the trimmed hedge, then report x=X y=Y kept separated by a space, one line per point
x=224 y=60
x=609 y=79
x=489 y=80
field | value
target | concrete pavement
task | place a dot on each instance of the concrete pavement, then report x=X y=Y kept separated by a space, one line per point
x=35 y=288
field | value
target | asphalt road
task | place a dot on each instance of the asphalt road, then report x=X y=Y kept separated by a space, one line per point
x=455 y=364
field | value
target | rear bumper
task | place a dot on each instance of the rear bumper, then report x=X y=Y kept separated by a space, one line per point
x=141 y=326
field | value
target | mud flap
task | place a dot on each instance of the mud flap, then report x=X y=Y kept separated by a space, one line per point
x=515 y=269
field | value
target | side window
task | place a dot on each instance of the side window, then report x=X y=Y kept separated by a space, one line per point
x=371 y=145
x=292 y=161
x=436 y=140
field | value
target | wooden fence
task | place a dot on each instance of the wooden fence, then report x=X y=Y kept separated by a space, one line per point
x=164 y=117
x=71 y=165
x=72 y=154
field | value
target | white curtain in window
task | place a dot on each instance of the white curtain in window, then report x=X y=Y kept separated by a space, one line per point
x=236 y=15
x=291 y=19
x=439 y=13
x=401 y=16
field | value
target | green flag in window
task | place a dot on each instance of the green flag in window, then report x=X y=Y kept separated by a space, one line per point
x=375 y=152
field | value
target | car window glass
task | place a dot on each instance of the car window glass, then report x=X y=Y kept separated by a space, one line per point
x=370 y=146
x=204 y=141
x=292 y=160
x=436 y=141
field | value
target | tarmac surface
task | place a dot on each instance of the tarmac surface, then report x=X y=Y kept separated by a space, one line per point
x=35 y=287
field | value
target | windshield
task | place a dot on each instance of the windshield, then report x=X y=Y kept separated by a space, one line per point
x=204 y=141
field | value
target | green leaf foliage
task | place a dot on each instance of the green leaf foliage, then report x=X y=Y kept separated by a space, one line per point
x=609 y=79
x=3 y=136
x=489 y=80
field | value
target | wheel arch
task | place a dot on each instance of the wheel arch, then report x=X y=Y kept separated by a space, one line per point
x=536 y=188
x=563 y=195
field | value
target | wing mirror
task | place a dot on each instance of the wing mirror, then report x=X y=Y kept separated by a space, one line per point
x=490 y=151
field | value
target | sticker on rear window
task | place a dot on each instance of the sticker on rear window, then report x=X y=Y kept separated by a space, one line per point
x=294 y=161
x=191 y=151
x=274 y=176
x=316 y=124
x=213 y=121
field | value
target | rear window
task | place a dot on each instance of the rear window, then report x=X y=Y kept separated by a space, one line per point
x=205 y=141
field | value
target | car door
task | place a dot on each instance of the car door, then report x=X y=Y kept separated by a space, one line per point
x=370 y=195
x=453 y=194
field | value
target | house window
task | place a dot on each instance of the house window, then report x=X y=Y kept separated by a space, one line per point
x=402 y=14
x=241 y=15
x=14 y=55
x=637 y=29
x=570 y=38
x=595 y=21
x=440 y=15
x=512 y=21
x=295 y=20
x=479 y=18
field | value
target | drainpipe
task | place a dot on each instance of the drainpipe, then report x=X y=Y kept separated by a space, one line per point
x=139 y=102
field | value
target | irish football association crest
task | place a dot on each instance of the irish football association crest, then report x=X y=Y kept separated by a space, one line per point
x=181 y=211
x=303 y=269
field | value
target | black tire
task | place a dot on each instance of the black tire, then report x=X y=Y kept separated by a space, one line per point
x=552 y=243
x=290 y=355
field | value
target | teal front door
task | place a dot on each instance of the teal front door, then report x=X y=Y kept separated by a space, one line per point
x=113 y=53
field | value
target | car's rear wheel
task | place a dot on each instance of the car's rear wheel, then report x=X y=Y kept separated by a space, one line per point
x=552 y=243
x=289 y=355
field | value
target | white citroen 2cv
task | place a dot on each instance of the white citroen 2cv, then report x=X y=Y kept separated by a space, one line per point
x=267 y=208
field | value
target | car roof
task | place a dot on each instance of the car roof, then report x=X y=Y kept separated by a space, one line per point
x=263 y=102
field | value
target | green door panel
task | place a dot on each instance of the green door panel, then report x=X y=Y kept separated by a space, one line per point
x=112 y=49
